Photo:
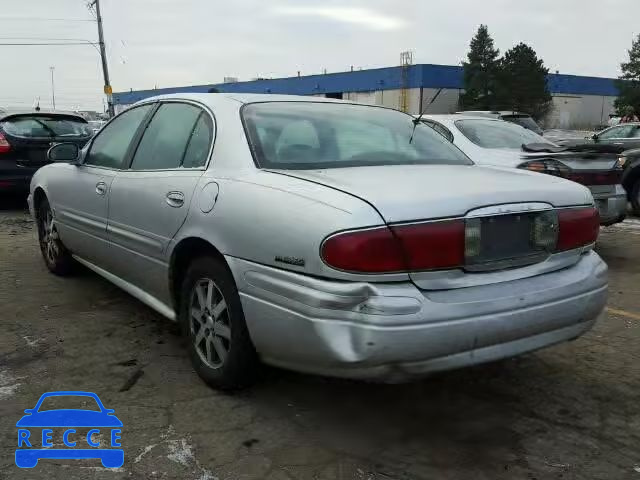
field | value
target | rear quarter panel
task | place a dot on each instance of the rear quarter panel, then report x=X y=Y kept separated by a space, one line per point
x=260 y=215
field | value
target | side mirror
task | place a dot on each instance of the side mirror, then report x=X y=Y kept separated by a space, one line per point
x=594 y=137
x=63 y=152
x=109 y=411
x=28 y=410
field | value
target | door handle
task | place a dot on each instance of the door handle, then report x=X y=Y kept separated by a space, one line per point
x=101 y=188
x=175 y=199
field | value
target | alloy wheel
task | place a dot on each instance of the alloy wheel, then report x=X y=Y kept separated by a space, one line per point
x=50 y=237
x=210 y=323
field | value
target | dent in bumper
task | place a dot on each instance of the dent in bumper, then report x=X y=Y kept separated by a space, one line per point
x=330 y=333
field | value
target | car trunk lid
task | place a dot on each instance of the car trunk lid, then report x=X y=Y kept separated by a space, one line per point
x=405 y=193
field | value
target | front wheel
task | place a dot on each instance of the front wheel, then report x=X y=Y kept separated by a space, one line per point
x=212 y=319
x=55 y=255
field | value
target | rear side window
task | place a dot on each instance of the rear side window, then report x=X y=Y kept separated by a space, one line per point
x=165 y=140
x=39 y=126
x=111 y=145
x=199 y=144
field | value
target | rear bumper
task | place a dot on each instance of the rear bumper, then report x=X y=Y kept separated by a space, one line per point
x=396 y=331
x=611 y=206
x=15 y=183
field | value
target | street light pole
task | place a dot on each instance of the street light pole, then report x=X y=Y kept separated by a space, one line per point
x=103 y=55
x=53 y=89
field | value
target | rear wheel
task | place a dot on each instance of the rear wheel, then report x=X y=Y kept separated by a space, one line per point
x=55 y=255
x=635 y=197
x=212 y=319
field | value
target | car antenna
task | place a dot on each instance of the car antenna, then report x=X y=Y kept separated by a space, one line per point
x=417 y=119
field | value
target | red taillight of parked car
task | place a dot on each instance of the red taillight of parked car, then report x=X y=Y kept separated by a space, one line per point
x=578 y=227
x=4 y=145
x=423 y=246
x=611 y=177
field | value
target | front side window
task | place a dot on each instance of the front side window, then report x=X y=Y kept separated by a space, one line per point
x=498 y=134
x=112 y=143
x=42 y=126
x=164 y=142
x=311 y=135
x=623 y=131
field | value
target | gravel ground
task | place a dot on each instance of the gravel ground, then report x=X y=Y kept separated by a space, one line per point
x=568 y=412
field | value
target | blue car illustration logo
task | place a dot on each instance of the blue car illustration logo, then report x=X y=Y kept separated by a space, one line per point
x=41 y=426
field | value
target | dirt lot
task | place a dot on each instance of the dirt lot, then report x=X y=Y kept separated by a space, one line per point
x=570 y=412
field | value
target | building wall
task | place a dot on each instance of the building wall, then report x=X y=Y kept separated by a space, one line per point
x=579 y=112
x=446 y=101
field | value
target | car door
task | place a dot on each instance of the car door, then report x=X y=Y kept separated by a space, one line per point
x=626 y=135
x=81 y=194
x=150 y=200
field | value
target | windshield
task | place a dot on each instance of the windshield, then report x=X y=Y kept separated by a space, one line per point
x=497 y=134
x=313 y=135
x=62 y=402
x=43 y=126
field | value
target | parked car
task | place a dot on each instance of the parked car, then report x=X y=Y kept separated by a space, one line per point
x=96 y=125
x=321 y=236
x=624 y=135
x=631 y=177
x=523 y=119
x=495 y=142
x=25 y=138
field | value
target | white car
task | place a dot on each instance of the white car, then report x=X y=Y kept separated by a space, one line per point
x=489 y=141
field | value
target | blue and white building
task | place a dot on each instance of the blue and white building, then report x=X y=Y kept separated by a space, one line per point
x=578 y=102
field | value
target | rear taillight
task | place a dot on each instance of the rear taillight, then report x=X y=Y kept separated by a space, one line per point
x=611 y=177
x=4 y=145
x=559 y=169
x=432 y=245
x=365 y=251
x=578 y=227
x=424 y=246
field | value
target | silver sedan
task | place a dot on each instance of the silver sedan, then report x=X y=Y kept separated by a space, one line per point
x=321 y=236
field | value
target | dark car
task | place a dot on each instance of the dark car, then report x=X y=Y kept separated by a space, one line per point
x=25 y=138
x=523 y=119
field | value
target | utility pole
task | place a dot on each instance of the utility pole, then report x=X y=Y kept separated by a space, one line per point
x=53 y=89
x=103 y=55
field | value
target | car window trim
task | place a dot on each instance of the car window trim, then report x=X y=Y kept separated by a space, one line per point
x=161 y=102
x=134 y=140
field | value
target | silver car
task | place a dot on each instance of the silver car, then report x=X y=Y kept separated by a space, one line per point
x=495 y=142
x=321 y=236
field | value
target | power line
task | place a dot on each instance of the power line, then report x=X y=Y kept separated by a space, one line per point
x=45 y=19
x=43 y=44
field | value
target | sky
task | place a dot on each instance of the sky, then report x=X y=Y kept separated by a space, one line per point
x=188 y=42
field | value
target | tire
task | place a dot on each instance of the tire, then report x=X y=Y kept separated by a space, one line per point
x=635 y=197
x=56 y=257
x=212 y=320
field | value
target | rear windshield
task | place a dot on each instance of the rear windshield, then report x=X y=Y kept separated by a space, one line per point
x=314 y=135
x=524 y=121
x=46 y=126
x=497 y=134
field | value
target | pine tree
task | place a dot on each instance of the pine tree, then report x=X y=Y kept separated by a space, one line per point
x=522 y=82
x=629 y=82
x=480 y=72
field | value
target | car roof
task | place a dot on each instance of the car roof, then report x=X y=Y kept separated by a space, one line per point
x=492 y=112
x=215 y=99
x=17 y=113
x=452 y=117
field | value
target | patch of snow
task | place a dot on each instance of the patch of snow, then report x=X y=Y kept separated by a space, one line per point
x=636 y=468
x=146 y=450
x=180 y=452
x=30 y=342
x=8 y=384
